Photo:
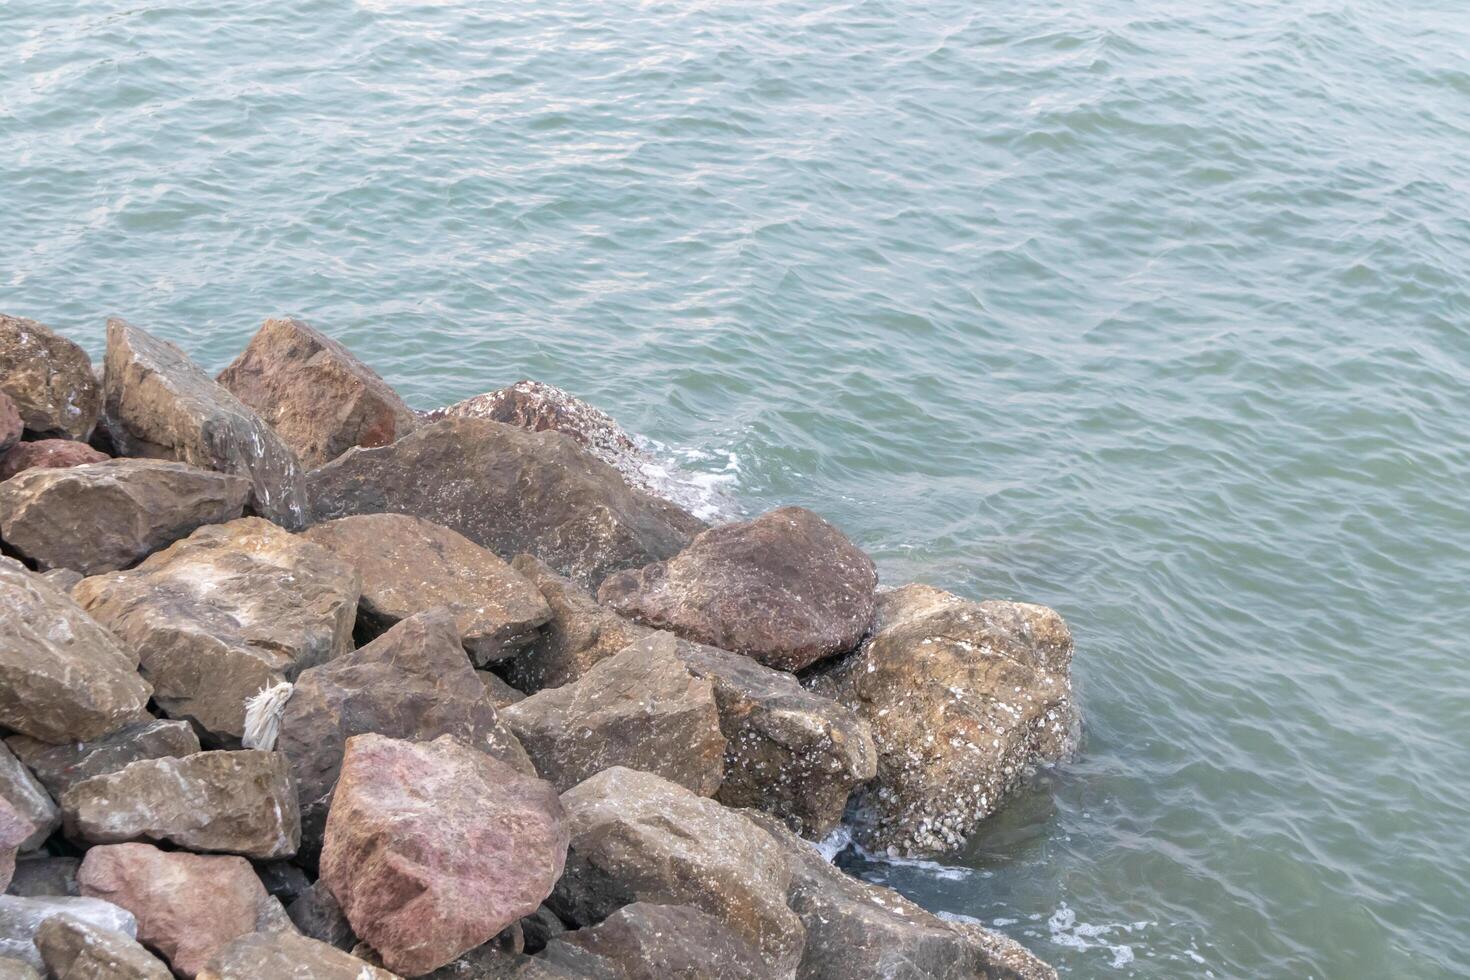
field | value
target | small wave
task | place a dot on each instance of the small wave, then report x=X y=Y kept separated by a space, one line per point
x=1067 y=931
x=699 y=480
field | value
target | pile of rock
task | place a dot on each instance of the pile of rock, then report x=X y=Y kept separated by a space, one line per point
x=297 y=683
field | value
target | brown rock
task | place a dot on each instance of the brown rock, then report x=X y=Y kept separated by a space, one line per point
x=320 y=399
x=501 y=694
x=413 y=682
x=283 y=956
x=59 y=767
x=104 y=516
x=15 y=830
x=962 y=697
x=669 y=942
x=47 y=454
x=508 y=490
x=226 y=612
x=62 y=578
x=235 y=802
x=786 y=588
x=21 y=919
x=159 y=404
x=188 y=906
x=63 y=677
x=13 y=969
x=49 y=379
x=409 y=565
x=432 y=848
x=642 y=708
x=74 y=949
x=11 y=427
x=21 y=790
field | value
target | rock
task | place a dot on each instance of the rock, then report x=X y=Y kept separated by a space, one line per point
x=579 y=634
x=43 y=876
x=409 y=565
x=787 y=589
x=320 y=399
x=540 y=928
x=15 y=830
x=47 y=454
x=236 y=802
x=282 y=956
x=104 y=516
x=59 y=767
x=49 y=379
x=501 y=694
x=188 y=906
x=12 y=969
x=641 y=708
x=77 y=950
x=669 y=942
x=63 y=677
x=317 y=914
x=509 y=490
x=962 y=698
x=21 y=919
x=159 y=404
x=638 y=838
x=284 y=880
x=489 y=962
x=228 y=611
x=11 y=426
x=413 y=683
x=21 y=790
x=62 y=578
x=432 y=848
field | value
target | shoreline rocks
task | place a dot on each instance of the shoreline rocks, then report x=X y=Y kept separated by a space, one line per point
x=48 y=379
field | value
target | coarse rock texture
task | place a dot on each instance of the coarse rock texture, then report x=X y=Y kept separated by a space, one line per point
x=413 y=683
x=962 y=698
x=319 y=398
x=62 y=578
x=15 y=830
x=21 y=919
x=74 y=949
x=63 y=677
x=41 y=875
x=228 y=611
x=47 y=454
x=100 y=517
x=284 y=880
x=579 y=634
x=787 y=589
x=641 y=708
x=13 y=969
x=491 y=962
x=509 y=490
x=646 y=941
x=160 y=404
x=318 y=915
x=11 y=426
x=59 y=767
x=283 y=956
x=188 y=906
x=409 y=565
x=21 y=790
x=501 y=694
x=432 y=848
x=49 y=379
x=234 y=802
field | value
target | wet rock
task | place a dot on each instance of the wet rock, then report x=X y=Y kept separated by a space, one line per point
x=509 y=490
x=15 y=830
x=787 y=589
x=501 y=694
x=159 y=404
x=283 y=956
x=235 y=802
x=317 y=914
x=47 y=454
x=49 y=379
x=319 y=398
x=11 y=427
x=63 y=677
x=77 y=950
x=433 y=848
x=962 y=697
x=413 y=682
x=23 y=792
x=641 y=708
x=409 y=565
x=21 y=919
x=43 y=876
x=188 y=906
x=59 y=767
x=104 y=516
x=669 y=942
x=228 y=611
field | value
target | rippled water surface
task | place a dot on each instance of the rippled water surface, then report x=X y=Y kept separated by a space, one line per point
x=1155 y=311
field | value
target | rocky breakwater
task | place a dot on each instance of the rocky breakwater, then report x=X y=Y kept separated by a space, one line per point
x=298 y=683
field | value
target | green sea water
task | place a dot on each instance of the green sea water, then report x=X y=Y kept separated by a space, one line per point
x=1157 y=312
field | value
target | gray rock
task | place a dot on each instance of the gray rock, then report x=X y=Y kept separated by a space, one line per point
x=11 y=426
x=22 y=918
x=62 y=578
x=44 y=876
x=46 y=454
x=74 y=949
x=14 y=830
x=48 y=378
x=317 y=914
x=29 y=798
x=283 y=879
x=12 y=969
x=501 y=694
x=647 y=941
x=283 y=956
x=59 y=767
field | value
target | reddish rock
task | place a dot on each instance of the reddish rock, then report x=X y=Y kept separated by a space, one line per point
x=433 y=848
x=11 y=426
x=47 y=454
x=20 y=789
x=49 y=379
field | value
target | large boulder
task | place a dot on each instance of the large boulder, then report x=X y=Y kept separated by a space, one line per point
x=63 y=678
x=509 y=490
x=413 y=683
x=74 y=949
x=409 y=565
x=646 y=941
x=49 y=379
x=160 y=404
x=11 y=426
x=15 y=830
x=786 y=588
x=642 y=708
x=283 y=956
x=228 y=611
x=22 y=918
x=21 y=790
x=47 y=454
x=188 y=906
x=962 y=698
x=104 y=516
x=320 y=399
x=59 y=767
x=432 y=848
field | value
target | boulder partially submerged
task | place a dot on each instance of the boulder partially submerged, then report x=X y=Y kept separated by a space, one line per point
x=48 y=378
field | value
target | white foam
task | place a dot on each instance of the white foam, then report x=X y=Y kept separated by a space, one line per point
x=1067 y=931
